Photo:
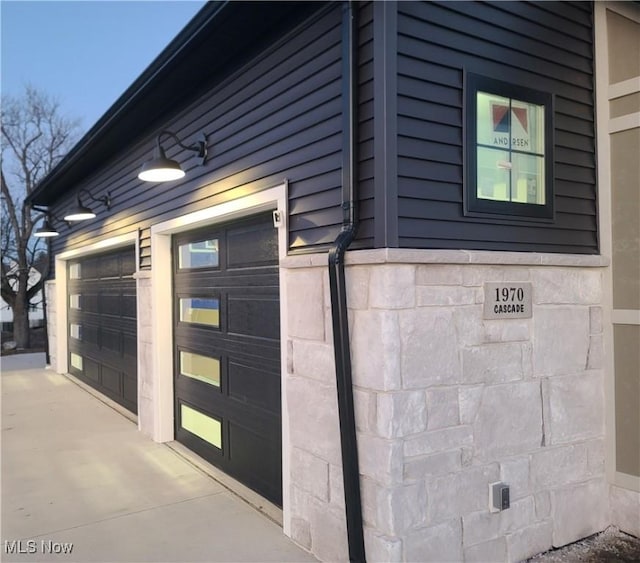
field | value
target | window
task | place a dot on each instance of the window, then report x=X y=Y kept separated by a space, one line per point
x=202 y=368
x=201 y=254
x=509 y=138
x=200 y=310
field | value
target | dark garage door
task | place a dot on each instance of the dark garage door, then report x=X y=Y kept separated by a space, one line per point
x=102 y=324
x=227 y=350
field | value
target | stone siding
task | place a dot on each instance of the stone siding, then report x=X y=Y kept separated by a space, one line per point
x=52 y=318
x=447 y=403
x=145 y=353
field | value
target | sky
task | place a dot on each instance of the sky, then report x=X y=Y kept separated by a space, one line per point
x=85 y=53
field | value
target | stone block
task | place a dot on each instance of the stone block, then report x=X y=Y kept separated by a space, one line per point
x=146 y=416
x=436 y=296
x=529 y=541
x=443 y=409
x=456 y=494
x=400 y=413
x=595 y=357
x=313 y=359
x=596 y=453
x=438 y=274
x=561 y=337
x=484 y=525
x=336 y=485
x=579 y=511
x=310 y=473
x=559 y=466
x=392 y=286
x=357 y=284
x=429 y=348
x=574 y=407
x=301 y=532
x=305 y=303
x=423 y=467
x=625 y=510
x=376 y=350
x=492 y=363
x=380 y=548
x=469 y=326
x=438 y=441
x=394 y=511
x=329 y=534
x=595 y=320
x=509 y=420
x=469 y=398
x=515 y=472
x=512 y=330
x=478 y=275
x=380 y=459
x=493 y=550
x=365 y=410
x=582 y=286
x=441 y=543
x=313 y=410
x=543 y=505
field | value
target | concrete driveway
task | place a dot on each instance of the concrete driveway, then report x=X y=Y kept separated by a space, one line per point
x=77 y=476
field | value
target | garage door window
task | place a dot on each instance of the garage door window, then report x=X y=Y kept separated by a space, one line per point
x=203 y=426
x=74 y=301
x=76 y=331
x=200 y=367
x=199 y=310
x=200 y=254
x=76 y=361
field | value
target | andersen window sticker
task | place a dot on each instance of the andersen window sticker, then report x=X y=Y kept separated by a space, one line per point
x=509 y=140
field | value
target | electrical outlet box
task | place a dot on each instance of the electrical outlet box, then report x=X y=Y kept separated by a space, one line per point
x=499 y=497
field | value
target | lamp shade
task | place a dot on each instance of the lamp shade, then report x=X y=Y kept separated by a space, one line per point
x=46 y=231
x=79 y=213
x=160 y=169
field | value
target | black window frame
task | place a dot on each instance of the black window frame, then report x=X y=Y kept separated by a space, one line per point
x=506 y=210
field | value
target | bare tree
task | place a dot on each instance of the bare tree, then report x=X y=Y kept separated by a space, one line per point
x=35 y=137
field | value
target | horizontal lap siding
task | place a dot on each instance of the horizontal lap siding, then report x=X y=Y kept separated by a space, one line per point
x=547 y=46
x=279 y=117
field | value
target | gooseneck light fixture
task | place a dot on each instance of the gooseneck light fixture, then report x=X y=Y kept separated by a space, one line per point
x=163 y=169
x=81 y=212
x=47 y=230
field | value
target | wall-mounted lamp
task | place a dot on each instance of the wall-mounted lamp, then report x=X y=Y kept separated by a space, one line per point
x=81 y=212
x=163 y=169
x=47 y=230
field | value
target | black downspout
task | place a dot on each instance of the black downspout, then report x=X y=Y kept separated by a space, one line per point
x=348 y=440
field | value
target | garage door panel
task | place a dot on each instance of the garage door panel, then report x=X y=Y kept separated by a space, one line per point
x=253 y=385
x=251 y=246
x=102 y=324
x=243 y=346
x=111 y=379
x=252 y=454
x=254 y=315
x=233 y=364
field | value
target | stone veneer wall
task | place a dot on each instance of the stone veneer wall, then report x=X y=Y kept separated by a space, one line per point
x=446 y=403
x=50 y=295
x=145 y=353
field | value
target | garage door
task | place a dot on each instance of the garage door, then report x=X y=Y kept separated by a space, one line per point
x=102 y=324
x=227 y=350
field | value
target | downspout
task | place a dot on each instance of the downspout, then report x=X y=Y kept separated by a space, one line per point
x=337 y=289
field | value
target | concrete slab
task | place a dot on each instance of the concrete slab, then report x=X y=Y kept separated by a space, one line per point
x=35 y=360
x=74 y=471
